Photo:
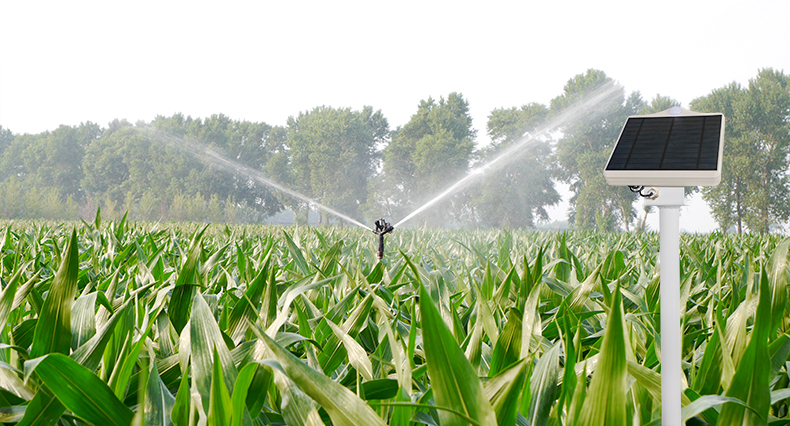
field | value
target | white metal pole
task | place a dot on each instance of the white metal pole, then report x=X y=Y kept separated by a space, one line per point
x=670 y=315
x=668 y=200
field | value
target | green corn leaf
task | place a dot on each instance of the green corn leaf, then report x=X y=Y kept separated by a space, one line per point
x=530 y=323
x=97 y=219
x=606 y=397
x=343 y=407
x=10 y=381
x=504 y=391
x=705 y=403
x=220 y=408
x=12 y=414
x=543 y=386
x=751 y=380
x=507 y=349
x=83 y=320
x=8 y=297
x=43 y=410
x=269 y=304
x=246 y=309
x=779 y=395
x=206 y=337
x=180 y=306
x=53 y=330
x=735 y=331
x=581 y=295
x=779 y=350
x=357 y=356
x=119 y=380
x=401 y=415
x=571 y=344
x=708 y=378
x=453 y=380
x=537 y=268
x=579 y=397
x=142 y=392
x=648 y=378
x=24 y=291
x=90 y=354
x=777 y=276
x=297 y=255
x=182 y=408
x=159 y=400
x=474 y=348
x=651 y=381
x=485 y=315
x=257 y=391
x=79 y=390
x=727 y=364
x=240 y=391
x=333 y=352
x=296 y=407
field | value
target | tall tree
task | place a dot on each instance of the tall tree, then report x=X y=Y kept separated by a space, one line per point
x=50 y=160
x=6 y=138
x=726 y=199
x=430 y=152
x=658 y=104
x=518 y=194
x=585 y=146
x=333 y=154
x=142 y=166
x=754 y=186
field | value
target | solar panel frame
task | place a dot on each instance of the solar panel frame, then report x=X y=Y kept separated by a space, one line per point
x=666 y=149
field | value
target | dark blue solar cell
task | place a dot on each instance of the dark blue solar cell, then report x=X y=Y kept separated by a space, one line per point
x=668 y=143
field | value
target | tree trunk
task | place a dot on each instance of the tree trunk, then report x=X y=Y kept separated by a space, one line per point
x=625 y=218
x=766 y=224
x=764 y=212
x=738 y=208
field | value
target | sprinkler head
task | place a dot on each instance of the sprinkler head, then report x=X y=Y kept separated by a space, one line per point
x=382 y=227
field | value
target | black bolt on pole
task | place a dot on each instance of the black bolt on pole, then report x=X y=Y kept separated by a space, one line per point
x=381 y=228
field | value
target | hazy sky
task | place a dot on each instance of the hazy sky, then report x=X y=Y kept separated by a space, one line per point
x=70 y=62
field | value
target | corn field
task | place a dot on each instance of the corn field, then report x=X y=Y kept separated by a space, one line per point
x=125 y=323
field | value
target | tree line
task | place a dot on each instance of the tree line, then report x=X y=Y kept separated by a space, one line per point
x=352 y=161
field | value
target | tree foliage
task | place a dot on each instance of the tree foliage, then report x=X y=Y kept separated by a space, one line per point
x=517 y=195
x=333 y=154
x=754 y=187
x=51 y=160
x=432 y=150
x=350 y=161
x=583 y=149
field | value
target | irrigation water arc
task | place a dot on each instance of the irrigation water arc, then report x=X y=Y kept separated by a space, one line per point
x=581 y=108
x=213 y=158
x=578 y=110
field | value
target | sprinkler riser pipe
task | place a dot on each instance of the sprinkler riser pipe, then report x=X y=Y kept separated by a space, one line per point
x=381 y=247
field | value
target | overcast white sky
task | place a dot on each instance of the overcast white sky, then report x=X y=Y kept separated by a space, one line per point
x=70 y=62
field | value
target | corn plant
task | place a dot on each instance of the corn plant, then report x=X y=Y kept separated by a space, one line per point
x=133 y=323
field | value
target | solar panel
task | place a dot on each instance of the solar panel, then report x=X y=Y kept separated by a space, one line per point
x=672 y=148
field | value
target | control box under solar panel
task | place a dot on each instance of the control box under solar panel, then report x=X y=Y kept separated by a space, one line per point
x=676 y=147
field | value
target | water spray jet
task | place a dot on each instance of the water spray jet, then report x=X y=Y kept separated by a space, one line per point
x=212 y=157
x=381 y=228
x=583 y=107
